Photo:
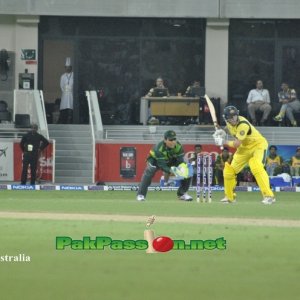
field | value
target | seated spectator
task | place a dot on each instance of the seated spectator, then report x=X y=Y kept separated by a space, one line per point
x=259 y=100
x=225 y=156
x=195 y=90
x=159 y=90
x=274 y=162
x=245 y=177
x=290 y=104
x=295 y=163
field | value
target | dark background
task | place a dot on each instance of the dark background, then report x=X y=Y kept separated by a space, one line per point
x=121 y=58
x=263 y=49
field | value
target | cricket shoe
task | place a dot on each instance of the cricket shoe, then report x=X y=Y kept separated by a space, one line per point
x=225 y=200
x=268 y=200
x=140 y=198
x=185 y=197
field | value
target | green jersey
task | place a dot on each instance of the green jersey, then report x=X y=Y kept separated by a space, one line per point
x=164 y=158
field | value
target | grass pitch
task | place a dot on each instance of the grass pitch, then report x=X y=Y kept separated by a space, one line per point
x=260 y=262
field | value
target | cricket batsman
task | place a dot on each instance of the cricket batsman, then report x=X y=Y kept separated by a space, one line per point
x=251 y=149
x=167 y=156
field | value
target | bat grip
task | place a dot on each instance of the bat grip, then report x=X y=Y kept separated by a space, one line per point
x=217 y=126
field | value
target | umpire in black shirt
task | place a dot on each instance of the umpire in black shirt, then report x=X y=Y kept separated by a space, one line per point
x=32 y=144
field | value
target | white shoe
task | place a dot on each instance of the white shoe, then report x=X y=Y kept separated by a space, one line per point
x=186 y=197
x=225 y=200
x=140 y=198
x=268 y=200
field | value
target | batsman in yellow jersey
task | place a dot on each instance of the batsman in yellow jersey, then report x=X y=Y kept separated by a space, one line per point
x=251 y=149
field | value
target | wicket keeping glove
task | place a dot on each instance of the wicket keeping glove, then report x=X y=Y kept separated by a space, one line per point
x=183 y=171
x=219 y=141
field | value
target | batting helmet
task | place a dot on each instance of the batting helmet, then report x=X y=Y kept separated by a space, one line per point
x=229 y=112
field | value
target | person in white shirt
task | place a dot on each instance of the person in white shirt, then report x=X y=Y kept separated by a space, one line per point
x=66 y=103
x=259 y=100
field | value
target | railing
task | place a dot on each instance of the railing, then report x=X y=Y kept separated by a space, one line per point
x=96 y=115
x=88 y=98
x=31 y=102
x=195 y=133
x=44 y=121
x=155 y=133
x=9 y=131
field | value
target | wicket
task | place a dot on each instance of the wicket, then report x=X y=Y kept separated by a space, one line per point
x=204 y=191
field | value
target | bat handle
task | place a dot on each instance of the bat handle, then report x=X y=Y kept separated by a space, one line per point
x=217 y=126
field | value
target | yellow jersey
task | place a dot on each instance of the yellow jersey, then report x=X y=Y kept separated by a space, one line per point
x=295 y=162
x=276 y=161
x=247 y=134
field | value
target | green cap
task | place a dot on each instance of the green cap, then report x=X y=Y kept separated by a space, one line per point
x=170 y=134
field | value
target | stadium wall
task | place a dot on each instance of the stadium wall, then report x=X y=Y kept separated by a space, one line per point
x=11 y=162
x=108 y=162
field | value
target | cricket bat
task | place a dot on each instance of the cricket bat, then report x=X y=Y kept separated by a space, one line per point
x=212 y=113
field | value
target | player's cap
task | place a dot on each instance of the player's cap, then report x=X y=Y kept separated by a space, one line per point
x=229 y=112
x=170 y=135
x=273 y=147
x=298 y=149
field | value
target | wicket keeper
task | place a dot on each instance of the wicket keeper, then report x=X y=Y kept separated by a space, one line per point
x=167 y=155
x=251 y=149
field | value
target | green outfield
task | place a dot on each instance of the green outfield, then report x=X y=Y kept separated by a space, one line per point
x=261 y=260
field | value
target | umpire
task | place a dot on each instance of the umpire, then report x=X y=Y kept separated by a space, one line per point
x=163 y=156
x=32 y=144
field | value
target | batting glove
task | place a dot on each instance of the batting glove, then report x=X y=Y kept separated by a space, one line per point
x=220 y=133
x=219 y=141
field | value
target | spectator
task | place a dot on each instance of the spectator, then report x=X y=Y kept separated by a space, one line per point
x=194 y=89
x=290 y=104
x=66 y=103
x=274 y=162
x=32 y=144
x=221 y=159
x=295 y=163
x=259 y=100
x=159 y=90
x=245 y=176
x=192 y=159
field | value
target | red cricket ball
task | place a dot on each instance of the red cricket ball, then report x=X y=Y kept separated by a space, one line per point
x=163 y=244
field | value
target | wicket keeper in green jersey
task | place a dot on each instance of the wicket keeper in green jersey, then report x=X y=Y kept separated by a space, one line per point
x=166 y=154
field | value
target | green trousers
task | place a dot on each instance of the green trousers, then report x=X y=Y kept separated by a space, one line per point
x=147 y=179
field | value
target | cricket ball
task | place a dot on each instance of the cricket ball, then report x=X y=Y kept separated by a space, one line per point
x=163 y=244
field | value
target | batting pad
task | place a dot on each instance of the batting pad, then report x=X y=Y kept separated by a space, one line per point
x=261 y=176
x=229 y=181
